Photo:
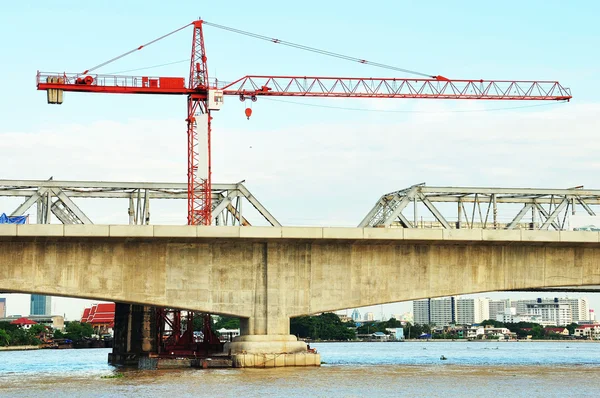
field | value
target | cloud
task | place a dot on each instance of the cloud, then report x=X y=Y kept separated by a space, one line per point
x=328 y=173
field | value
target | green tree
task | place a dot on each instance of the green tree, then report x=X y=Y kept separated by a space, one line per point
x=537 y=332
x=227 y=323
x=76 y=330
x=571 y=328
x=37 y=329
x=326 y=326
x=4 y=338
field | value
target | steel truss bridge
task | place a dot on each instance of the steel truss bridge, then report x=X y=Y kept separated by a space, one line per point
x=418 y=206
x=58 y=198
x=485 y=208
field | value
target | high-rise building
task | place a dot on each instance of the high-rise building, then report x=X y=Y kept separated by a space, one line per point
x=552 y=312
x=2 y=308
x=369 y=316
x=40 y=305
x=443 y=311
x=470 y=311
x=498 y=307
x=355 y=315
x=421 y=312
x=579 y=309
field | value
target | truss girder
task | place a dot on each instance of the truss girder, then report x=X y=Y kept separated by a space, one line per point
x=71 y=207
x=550 y=219
x=138 y=193
x=30 y=201
x=489 y=207
x=436 y=213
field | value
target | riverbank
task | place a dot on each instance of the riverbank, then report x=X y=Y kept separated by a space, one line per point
x=20 y=348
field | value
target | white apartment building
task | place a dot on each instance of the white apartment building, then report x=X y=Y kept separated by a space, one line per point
x=470 y=311
x=369 y=316
x=510 y=316
x=552 y=313
x=443 y=311
x=579 y=309
x=421 y=312
x=439 y=311
x=497 y=307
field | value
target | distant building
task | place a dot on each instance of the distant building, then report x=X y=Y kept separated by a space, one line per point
x=228 y=334
x=421 y=313
x=579 y=309
x=56 y=322
x=439 y=311
x=470 y=311
x=396 y=333
x=101 y=317
x=344 y=318
x=369 y=316
x=510 y=316
x=40 y=305
x=443 y=311
x=588 y=332
x=592 y=316
x=23 y=323
x=2 y=307
x=498 y=307
x=553 y=312
x=355 y=315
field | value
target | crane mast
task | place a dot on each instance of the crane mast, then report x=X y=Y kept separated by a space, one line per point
x=198 y=119
x=204 y=96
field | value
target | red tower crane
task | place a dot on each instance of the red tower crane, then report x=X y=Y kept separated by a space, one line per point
x=204 y=96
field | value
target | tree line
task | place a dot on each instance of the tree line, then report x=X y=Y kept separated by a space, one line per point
x=13 y=335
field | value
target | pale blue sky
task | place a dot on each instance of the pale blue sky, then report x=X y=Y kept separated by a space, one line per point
x=308 y=165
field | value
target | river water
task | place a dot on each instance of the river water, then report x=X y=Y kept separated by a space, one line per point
x=509 y=369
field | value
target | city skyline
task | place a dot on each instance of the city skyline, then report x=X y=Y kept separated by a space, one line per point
x=72 y=308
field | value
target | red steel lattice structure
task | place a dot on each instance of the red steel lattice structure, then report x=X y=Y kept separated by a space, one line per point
x=205 y=96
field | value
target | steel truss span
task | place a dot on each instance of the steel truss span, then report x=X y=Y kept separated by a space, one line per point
x=421 y=206
x=59 y=197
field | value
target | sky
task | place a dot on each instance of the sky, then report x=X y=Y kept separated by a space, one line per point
x=310 y=162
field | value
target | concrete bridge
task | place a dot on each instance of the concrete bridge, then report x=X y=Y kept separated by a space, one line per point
x=265 y=275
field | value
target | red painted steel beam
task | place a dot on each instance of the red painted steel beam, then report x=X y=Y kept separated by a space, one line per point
x=439 y=88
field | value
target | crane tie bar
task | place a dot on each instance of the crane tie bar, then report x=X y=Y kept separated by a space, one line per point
x=318 y=51
x=135 y=49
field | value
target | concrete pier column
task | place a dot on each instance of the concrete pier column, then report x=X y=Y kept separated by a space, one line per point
x=135 y=334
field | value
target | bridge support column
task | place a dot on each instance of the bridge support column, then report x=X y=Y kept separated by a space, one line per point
x=135 y=334
x=265 y=339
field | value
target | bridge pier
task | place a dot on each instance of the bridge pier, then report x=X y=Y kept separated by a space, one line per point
x=135 y=334
x=270 y=351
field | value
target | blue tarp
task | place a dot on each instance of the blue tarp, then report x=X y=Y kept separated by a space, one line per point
x=4 y=219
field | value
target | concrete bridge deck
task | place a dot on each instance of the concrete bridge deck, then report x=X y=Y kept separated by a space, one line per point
x=389 y=235
x=267 y=274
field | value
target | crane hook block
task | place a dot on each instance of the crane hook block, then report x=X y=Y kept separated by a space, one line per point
x=248 y=113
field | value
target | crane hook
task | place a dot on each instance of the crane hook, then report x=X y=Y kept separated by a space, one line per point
x=248 y=113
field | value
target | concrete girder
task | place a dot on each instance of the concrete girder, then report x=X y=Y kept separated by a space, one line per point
x=266 y=276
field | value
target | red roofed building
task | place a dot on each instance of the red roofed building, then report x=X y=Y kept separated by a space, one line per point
x=562 y=331
x=101 y=317
x=588 y=331
x=23 y=323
